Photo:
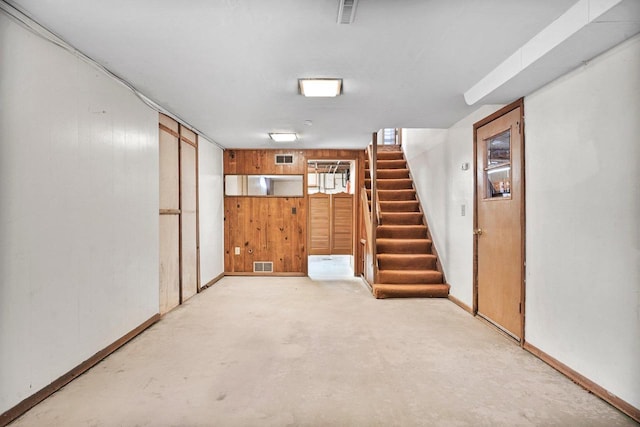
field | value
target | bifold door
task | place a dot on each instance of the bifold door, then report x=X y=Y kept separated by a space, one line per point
x=330 y=224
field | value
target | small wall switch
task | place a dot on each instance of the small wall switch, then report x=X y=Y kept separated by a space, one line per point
x=237 y=250
x=465 y=166
x=293 y=211
x=463 y=210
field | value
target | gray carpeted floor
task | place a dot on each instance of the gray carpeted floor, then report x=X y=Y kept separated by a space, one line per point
x=253 y=351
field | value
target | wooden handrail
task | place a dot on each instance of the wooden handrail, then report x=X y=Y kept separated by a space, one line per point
x=374 y=203
x=367 y=217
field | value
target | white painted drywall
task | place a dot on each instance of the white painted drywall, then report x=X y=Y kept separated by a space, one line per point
x=435 y=157
x=211 y=205
x=582 y=149
x=79 y=216
x=583 y=220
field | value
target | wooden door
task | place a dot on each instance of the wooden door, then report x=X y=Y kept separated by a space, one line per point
x=169 y=214
x=342 y=224
x=319 y=224
x=188 y=220
x=500 y=220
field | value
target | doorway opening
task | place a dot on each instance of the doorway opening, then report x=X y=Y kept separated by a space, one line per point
x=331 y=209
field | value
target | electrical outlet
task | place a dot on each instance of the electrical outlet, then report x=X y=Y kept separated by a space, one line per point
x=237 y=250
x=463 y=210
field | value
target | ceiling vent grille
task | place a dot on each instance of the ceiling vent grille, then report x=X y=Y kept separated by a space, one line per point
x=263 y=267
x=284 y=159
x=347 y=11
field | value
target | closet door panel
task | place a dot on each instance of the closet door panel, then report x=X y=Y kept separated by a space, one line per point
x=342 y=224
x=188 y=223
x=169 y=263
x=319 y=224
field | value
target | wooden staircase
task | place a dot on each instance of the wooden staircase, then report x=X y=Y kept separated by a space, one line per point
x=407 y=264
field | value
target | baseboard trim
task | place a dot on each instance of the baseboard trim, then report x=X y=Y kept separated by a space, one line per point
x=31 y=401
x=212 y=282
x=585 y=382
x=249 y=273
x=460 y=304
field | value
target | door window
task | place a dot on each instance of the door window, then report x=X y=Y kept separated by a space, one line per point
x=498 y=166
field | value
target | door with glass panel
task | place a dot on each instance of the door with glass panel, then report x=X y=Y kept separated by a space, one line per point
x=499 y=230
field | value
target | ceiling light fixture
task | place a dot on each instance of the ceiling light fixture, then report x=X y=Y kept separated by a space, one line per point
x=283 y=137
x=320 y=87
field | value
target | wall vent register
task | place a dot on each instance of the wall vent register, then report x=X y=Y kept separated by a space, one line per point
x=263 y=267
x=284 y=159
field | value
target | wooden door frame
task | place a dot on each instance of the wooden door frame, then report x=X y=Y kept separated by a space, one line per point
x=501 y=112
x=357 y=157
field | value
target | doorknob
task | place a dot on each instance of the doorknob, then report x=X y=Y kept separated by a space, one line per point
x=477 y=231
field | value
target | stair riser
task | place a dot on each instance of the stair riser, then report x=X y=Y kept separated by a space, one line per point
x=397 y=195
x=415 y=232
x=391 y=184
x=407 y=262
x=393 y=174
x=410 y=291
x=399 y=247
x=401 y=206
x=410 y=277
x=403 y=218
x=390 y=155
x=391 y=164
x=388 y=195
x=395 y=184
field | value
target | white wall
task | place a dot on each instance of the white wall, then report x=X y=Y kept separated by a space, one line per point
x=583 y=220
x=435 y=157
x=79 y=216
x=211 y=205
x=582 y=149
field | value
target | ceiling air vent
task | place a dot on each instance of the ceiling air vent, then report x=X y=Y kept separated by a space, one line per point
x=284 y=159
x=263 y=267
x=347 y=11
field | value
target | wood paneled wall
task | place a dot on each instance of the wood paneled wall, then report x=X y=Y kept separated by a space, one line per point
x=265 y=228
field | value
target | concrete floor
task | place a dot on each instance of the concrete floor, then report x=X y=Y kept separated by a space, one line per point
x=330 y=267
x=292 y=351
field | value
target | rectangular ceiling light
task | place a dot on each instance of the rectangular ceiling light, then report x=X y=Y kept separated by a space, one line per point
x=283 y=137
x=320 y=87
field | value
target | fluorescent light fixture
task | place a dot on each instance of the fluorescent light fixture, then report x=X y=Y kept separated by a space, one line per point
x=500 y=169
x=320 y=87
x=283 y=137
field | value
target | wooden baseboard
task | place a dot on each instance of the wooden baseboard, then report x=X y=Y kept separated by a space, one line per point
x=250 y=273
x=585 y=382
x=212 y=282
x=460 y=304
x=31 y=401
